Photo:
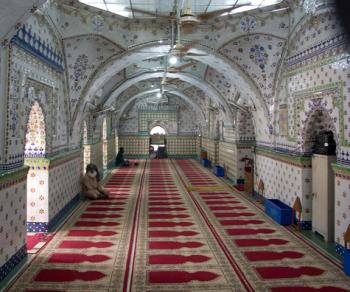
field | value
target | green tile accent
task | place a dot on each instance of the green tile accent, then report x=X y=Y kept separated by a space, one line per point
x=11 y=175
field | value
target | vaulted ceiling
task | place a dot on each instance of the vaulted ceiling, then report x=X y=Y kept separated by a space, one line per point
x=233 y=60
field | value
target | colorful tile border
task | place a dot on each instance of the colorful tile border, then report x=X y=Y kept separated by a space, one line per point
x=37 y=227
x=10 y=178
x=341 y=171
x=289 y=158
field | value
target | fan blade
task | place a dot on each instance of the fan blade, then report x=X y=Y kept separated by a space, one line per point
x=186 y=47
x=169 y=81
x=150 y=13
x=208 y=15
x=195 y=55
x=180 y=68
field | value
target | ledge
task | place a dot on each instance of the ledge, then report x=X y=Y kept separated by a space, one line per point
x=53 y=161
x=289 y=158
x=9 y=178
x=341 y=171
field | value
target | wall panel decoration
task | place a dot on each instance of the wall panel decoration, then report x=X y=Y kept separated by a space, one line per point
x=13 y=205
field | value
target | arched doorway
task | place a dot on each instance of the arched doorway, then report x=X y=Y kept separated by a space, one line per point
x=37 y=178
x=157 y=142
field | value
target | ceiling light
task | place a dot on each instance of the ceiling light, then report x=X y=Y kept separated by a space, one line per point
x=159 y=94
x=173 y=60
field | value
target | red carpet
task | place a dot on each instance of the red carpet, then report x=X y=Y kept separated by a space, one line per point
x=36 y=241
x=272 y=255
x=179 y=276
x=169 y=259
x=84 y=244
x=76 y=258
x=260 y=242
x=164 y=233
x=83 y=233
x=278 y=272
x=247 y=231
x=174 y=226
x=174 y=244
x=66 y=275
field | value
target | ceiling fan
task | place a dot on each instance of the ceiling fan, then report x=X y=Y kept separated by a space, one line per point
x=98 y=109
x=187 y=20
x=126 y=117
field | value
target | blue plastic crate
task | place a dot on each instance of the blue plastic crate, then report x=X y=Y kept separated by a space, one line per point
x=347 y=261
x=219 y=170
x=279 y=211
x=205 y=162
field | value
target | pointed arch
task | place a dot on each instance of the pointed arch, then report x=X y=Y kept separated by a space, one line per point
x=35 y=139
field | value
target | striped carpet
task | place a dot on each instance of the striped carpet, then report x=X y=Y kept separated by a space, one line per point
x=174 y=226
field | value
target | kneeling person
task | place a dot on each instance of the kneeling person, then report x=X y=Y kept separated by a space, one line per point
x=119 y=160
x=90 y=184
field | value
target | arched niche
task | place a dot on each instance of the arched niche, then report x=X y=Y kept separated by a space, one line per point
x=35 y=139
x=319 y=120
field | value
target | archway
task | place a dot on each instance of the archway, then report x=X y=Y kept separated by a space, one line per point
x=157 y=141
x=37 y=178
x=35 y=141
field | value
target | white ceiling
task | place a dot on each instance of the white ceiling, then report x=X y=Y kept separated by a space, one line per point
x=15 y=11
x=164 y=7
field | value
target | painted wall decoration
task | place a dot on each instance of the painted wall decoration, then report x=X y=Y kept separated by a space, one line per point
x=84 y=55
x=12 y=222
x=248 y=23
x=259 y=56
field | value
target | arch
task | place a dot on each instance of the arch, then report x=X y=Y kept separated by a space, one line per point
x=318 y=120
x=157 y=128
x=140 y=94
x=182 y=76
x=119 y=62
x=35 y=138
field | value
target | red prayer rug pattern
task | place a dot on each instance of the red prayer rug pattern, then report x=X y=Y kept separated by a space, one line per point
x=88 y=252
x=174 y=226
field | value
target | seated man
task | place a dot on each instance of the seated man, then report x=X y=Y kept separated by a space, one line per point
x=90 y=186
x=119 y=160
